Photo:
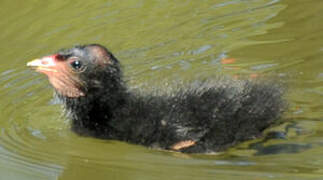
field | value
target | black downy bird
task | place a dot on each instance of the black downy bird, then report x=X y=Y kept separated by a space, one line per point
x=200 y=118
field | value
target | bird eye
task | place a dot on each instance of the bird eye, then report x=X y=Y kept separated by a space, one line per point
x=76 y=65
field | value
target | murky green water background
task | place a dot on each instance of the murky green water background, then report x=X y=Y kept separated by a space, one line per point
x=160 y=42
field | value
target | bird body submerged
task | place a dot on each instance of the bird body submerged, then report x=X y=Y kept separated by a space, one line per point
x=202 y=117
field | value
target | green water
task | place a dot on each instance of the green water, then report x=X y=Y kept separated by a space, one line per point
x=159 y=42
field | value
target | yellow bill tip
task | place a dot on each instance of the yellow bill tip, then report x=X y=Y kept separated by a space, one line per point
x=34 y=63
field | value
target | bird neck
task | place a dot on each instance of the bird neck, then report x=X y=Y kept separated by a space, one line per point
x=94 y=113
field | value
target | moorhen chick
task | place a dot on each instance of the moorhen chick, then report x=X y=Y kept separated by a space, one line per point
x=199 y=118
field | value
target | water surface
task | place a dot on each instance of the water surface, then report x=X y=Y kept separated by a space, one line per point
x=158 y=43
